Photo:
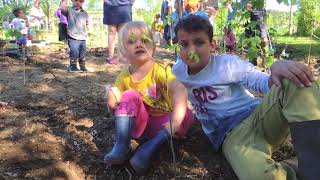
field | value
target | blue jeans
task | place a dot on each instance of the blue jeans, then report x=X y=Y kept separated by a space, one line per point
x=22 y=41
x=77 y=49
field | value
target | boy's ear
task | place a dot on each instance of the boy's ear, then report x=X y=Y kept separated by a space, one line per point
x=213 y=45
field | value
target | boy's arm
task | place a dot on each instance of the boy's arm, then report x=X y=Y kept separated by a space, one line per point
x=88 y=26
x=244 y=73
x=179 y=101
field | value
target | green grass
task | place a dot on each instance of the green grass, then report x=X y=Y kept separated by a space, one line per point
x=298 y=47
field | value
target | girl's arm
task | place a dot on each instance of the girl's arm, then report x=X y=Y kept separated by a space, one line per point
x=179 y=94
x=113 y=96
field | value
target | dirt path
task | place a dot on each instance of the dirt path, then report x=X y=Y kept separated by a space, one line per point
x=58 y=127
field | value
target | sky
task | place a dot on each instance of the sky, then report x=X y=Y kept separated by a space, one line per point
x=271 y=5
x=274 y=5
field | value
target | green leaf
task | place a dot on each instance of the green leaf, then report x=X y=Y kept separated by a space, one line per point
x=268 y=61
x=252 y=53
x=318 y=82
x=146 y=39
x=194 y=57
x=133 y=37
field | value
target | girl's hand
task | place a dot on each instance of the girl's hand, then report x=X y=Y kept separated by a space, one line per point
x=298 y=73
x=179 y=96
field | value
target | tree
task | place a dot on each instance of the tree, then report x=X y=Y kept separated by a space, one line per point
x=291 y=3
x=308 y=19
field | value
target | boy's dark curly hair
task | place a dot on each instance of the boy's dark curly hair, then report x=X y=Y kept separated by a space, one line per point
x=16 y=11
x=195 y=23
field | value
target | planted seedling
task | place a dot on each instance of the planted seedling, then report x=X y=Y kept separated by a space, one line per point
x=194 y=56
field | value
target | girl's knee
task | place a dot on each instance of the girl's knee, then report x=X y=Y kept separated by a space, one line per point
x=130 y=95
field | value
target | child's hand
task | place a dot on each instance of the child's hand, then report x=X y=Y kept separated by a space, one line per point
x=298 y=73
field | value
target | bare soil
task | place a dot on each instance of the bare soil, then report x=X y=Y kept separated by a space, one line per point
x=57 y=126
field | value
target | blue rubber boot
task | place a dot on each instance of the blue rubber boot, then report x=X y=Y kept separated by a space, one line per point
x=120 y=150
x=142 y=158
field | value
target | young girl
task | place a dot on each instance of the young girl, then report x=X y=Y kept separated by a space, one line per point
x=63 y=22
x=157 y=29
x=229 y=38
x=146 y=96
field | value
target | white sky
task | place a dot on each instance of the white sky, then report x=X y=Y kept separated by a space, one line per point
x=274 y=5
x=271 y=4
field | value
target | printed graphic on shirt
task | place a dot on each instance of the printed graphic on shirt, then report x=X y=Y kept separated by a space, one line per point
x=202 y=96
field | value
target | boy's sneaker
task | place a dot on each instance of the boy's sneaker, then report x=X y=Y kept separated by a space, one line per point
x=73 y=66
x=83 y=66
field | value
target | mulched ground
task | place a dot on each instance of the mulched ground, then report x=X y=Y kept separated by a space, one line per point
x=57 y=126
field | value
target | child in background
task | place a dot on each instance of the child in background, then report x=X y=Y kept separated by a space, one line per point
x=229 y=38
x=194 y=7
x=20 y=23
x=165 y=11
x=145 y=98
x=77 y=33
x=247 y=128
x=176 y=16
x=63 y=22
x=157 y=29
x=5 y=26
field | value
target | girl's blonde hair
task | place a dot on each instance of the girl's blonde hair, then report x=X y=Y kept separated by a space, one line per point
x=136 y=28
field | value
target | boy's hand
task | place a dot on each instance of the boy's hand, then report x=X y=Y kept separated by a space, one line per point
x=296 y=72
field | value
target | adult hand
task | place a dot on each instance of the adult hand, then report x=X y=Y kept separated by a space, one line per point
x=298 y=73
x=211 y=11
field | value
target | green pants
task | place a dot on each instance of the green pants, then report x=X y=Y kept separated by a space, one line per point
x=249 y=146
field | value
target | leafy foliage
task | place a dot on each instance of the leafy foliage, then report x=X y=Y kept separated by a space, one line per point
x=309 y=17
x=13 y=33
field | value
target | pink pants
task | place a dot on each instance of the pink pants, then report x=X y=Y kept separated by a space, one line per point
x=132 y=104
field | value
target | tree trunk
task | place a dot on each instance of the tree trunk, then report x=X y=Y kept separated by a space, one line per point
x=290 y=19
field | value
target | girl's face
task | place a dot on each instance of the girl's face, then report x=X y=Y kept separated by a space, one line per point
x=195 y=49
x=139 y=47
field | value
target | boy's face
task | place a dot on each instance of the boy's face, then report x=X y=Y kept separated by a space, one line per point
x=21 y=14
x=78 y=3
x=195 y=43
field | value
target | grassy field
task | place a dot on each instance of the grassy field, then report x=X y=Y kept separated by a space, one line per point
x=298 y=47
